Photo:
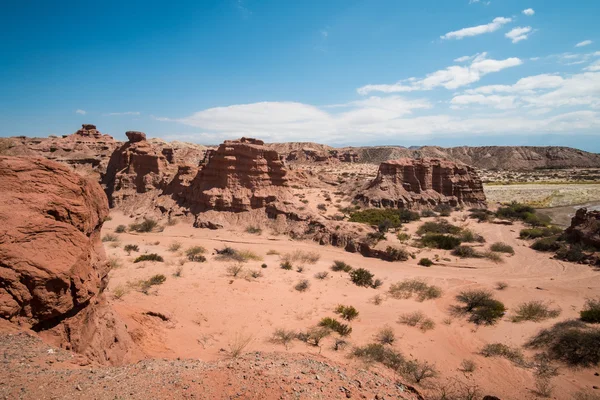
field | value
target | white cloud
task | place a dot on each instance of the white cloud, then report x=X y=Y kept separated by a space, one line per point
x=584 y=43
x=493 y=26
x=452 y=77
x=524 y=85
x=529 y=12
x=494 y=101
x=595 y=66
x=80 y=111
x=124 y=113
x=518 y=34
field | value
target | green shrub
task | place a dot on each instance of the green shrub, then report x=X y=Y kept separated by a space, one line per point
x=504 y=351
x=336 y=326
x=534 y=311
x=591 y=311
x=444 y=209
x=502 y=248
x=347 y=312
x=361 y=277
x=147 y=225
x=149 y=257
x=428 y=213
x=440 y=241
x=195 y=253
x=302 y=286
x=340 y=266
x=465 y=252
x=120 y=229
x=425 y=262
x=515 y=210
x=481 y=215
x=396 y=254
x=375 y=237
x=110 y=238
x=441 y=226
x=403 y=237
x=385 y=355
x=376 y=216
x=409 y=287
x=546 y=244
x=473 y=298
x=488 y=313
x=131 y=247
x=536 y=233
x=469 y=236
x=571 y=252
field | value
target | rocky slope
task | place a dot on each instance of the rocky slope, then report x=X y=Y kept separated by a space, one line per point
x=53 y=267
x=585 y=228
x=409 y=183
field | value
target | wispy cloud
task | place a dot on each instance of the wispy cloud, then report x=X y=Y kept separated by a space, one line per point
x=493 y=26
x=123 y=113
x=244 y=11
x=584 y=43
x=324 y=33
x=518 y=34
x=529 y=12
x=452 y=77
x=80 y=111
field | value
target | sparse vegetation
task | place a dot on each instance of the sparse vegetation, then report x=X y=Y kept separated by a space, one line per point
x=504 y=351
x=465 y=252
x=322 y=275
x=468 y=366
x=302 y=286
x=441 y=227
x=534 y=311
x=346 y=312
x=361 y=277
x=376 y=352
x=114 y=262
x=131 y=247
x=255 y=230
x=302 y=257
x=420 y=370
x=195 y=254
x=536 y=233
x=286 y=265
x=502 y=248
x=178 y=272
x=231 y=254
x=403 y=237
x=482 y=307
x=322 y=207
x=118 y=292
x=147 y=225
x=336 y=326
x=443 y=209
x=525 y=213
x=376 y=216
x=591 y=311
x=425 y=262
x=149 y=257
x=109 y=237
x=440 y=241
x=120 y=229
x=154 y=280
x=396 y=254
x=173 y=247
x=410 y=287
x=501 y=285
x=314 y=335
x=239 y=344
x=340 y=266
x=235 y=269
x=428 y=213
x=546 y=244
x=385 y=336
x=417 y=319
x=284 y=337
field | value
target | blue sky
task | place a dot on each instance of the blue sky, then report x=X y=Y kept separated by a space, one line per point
x=342 y=72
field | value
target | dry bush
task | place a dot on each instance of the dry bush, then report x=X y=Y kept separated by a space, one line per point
x=131 y=247
x=346 y=312
x=173 y=247
x=468 y=366
x=376 y=352
x=377 y=299
x=120 y=229
x=583 y=395
x=235 y=269
x=501 y=350
x=118 y=292
x=385 y=336
x=286 y=265
x=534 y=311
x=239 y=344
x=302 y=286
x=195 y=253
x=109 y=237
x=284 y=337
x=302 y=257
x=114 y=262
x=336 y=326
x=314 y=335
x=591 y=311
x=409 y=287
x=147 y=225
x=255 y=274
x=501 y=285
x=322 y=275
x=272 y=252
x=420 y=370
x=543 y=386
x=254 y=230
x=455 y=389
x=340 y=266
x=501 y=247
x=178 y=272
x=417 y=319
x=149 y=257
x=300 y=269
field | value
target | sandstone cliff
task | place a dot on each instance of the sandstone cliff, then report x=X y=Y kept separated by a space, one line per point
x=408 y=183
x=53 y=267
x=585 y=228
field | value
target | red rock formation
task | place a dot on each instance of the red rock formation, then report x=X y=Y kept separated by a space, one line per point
x=409 y=183
x=585 y=228
x=240 y=175
x=52 y=263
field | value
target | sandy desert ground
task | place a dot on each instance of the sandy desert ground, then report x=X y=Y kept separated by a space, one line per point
x=208 y=311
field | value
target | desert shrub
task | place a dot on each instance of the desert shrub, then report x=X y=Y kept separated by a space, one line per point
x=109 y=237
x=235 y=269
x=302 y=257
x=396 y=254
x=361 y=277
x=534 y=311
x=336 y=326
x=536 y=233
x=468 y=366
x=145 y=286
x=377 y=283
x=118 y=292
x=546 y=244
x=255 y=274
x=375 y=237
x=302 y=286
x=515 y=211
x=322 y=275
x=300 y=269
x=120 y=229
x=441 y=226
x=473 y=298
x=286 y=265
x=314 y=335
x=346 y=312
x=322 y=207
x=572 y=342
x=492 y=256
x=501 y=285
x=591 y=311
x=420 y=370
x=443 y=209
x=385 y=336
x=340 y=266
x=178 y=272
x=482 y=307
x=284 y=337
x=502 y=248
x=417 y=319
x=175 y=246
x=440 y=241
x=195 y=253
x=543 y=386
x=114 y=262
x=468 y=236
x=147 y=225
x=231 y=254
x=239 y=344
x=465 y=252
x=272 y=252
x=504 y=351
x=149 y=257
x=376 y=216
x=481 y=215
x=428 y=213
x=410 y=287
x=583 y=395
x=572 y=252
x=403 y=237
x=385 y=355
x=131 y=247
x=425 y=262
x=254 y=230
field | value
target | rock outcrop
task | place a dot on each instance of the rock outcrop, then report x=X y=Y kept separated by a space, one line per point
x=408 y=183
x=53 y=268
x=585 y=228
x=239 y=176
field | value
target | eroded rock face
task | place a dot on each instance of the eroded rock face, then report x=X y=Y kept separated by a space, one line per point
x=409 y=183
x=52 y=263
x=240 y=175
x=585 y=228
